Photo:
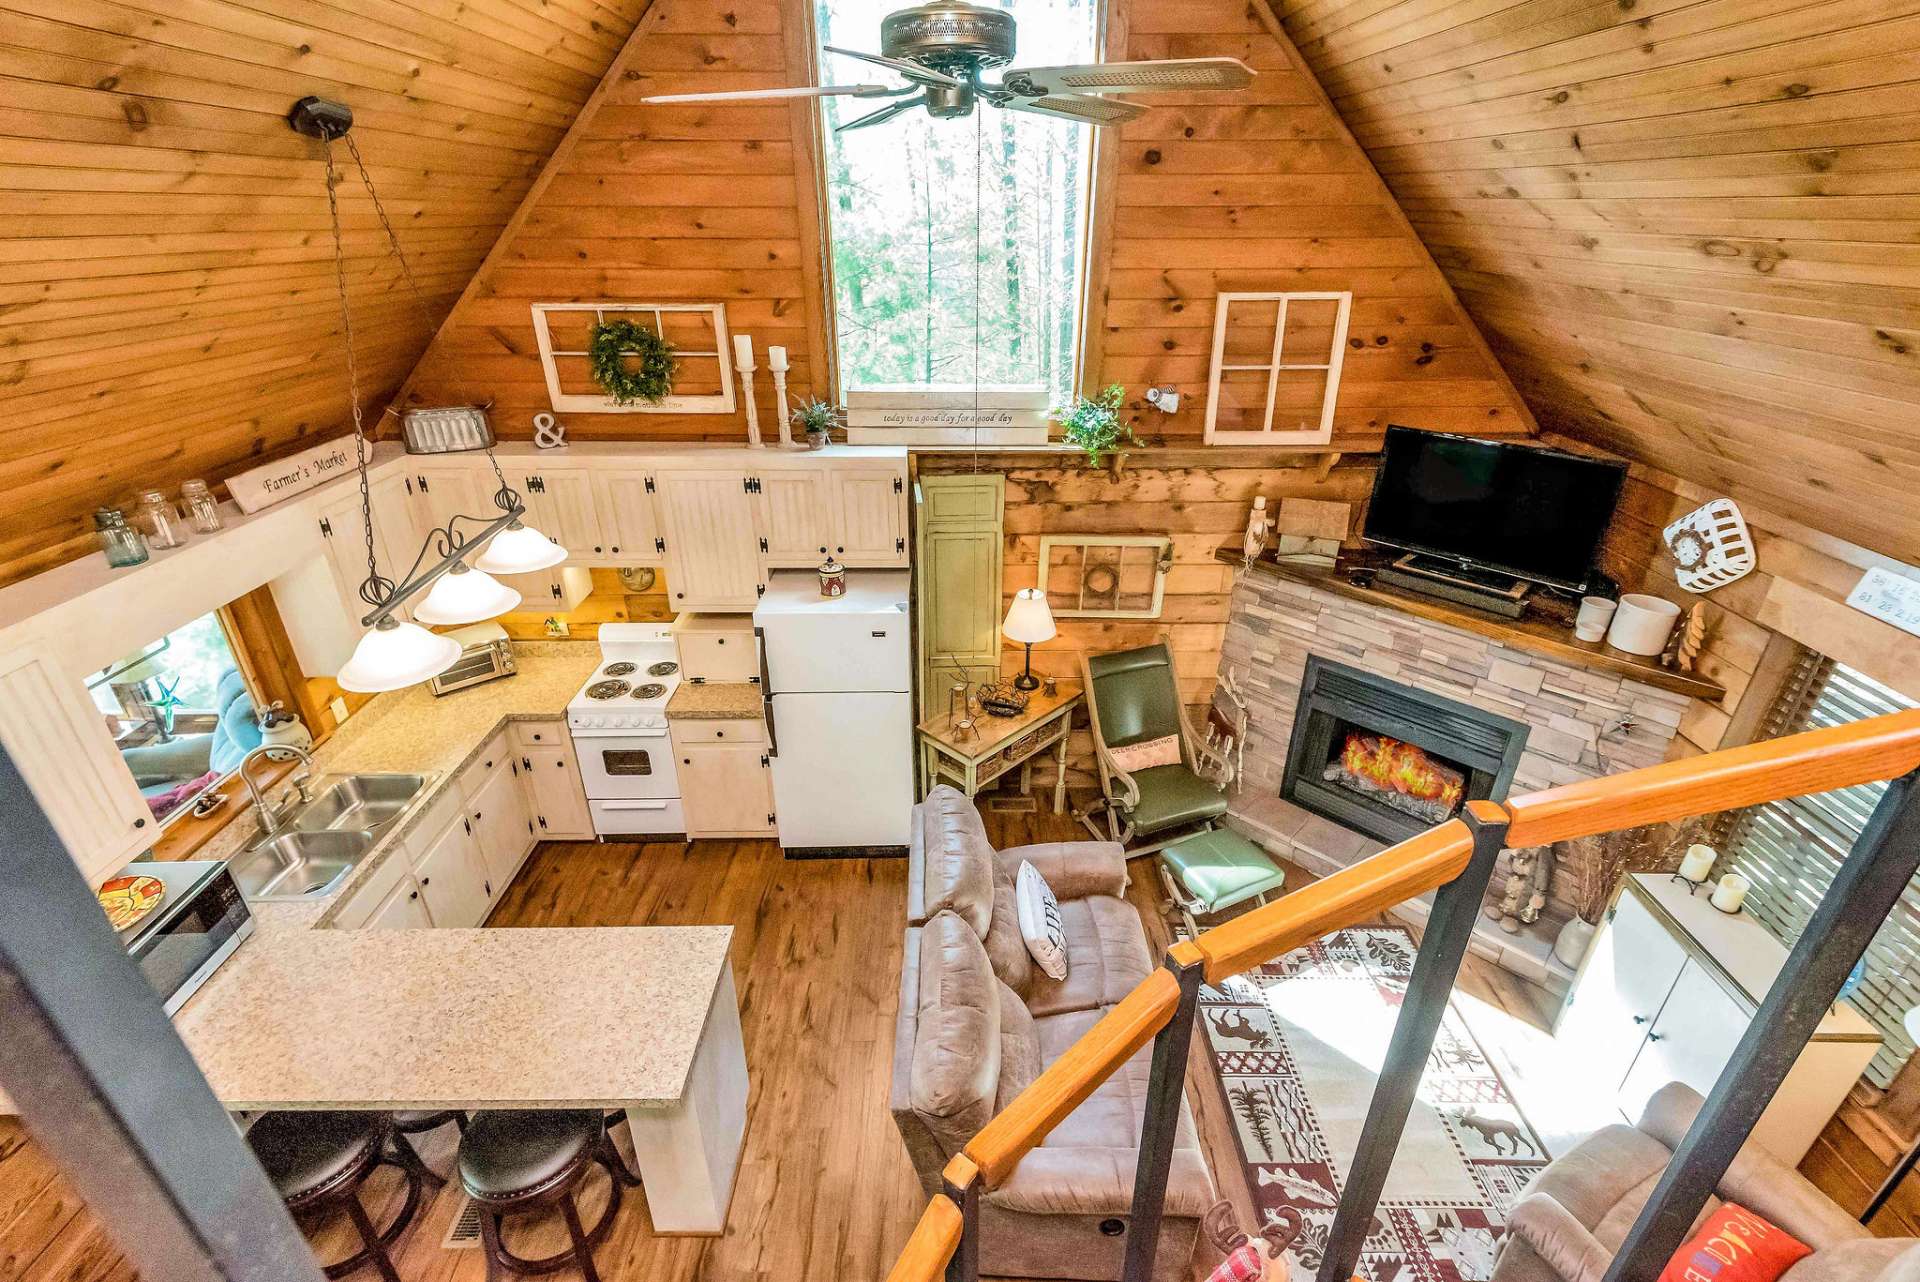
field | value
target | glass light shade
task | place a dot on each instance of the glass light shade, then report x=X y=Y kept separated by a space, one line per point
x=1028 y=618
x=519 y=549
x=393 y=655
x=462 y=595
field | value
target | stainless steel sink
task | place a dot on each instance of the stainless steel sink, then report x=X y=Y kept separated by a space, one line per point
x=299 y=864
x=357 y=803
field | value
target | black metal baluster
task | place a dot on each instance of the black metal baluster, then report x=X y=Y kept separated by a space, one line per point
x=1159 y=1125
x=964 y=1266
x=1442 y=946
x=1864 y=890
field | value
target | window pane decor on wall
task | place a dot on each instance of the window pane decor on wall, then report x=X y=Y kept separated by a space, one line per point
x=902 y=204
x=1789 y=849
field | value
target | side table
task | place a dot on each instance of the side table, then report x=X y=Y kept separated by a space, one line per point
x=1000 y=744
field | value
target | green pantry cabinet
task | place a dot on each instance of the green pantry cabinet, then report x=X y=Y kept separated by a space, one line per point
x=960 y=550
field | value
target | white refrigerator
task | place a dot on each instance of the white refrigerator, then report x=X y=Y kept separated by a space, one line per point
x=836 y=674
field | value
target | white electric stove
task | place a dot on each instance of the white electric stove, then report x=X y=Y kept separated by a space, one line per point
x=619 y=727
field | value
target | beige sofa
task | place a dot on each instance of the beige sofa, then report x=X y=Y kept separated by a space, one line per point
x=978 y=1021
x=1576 y=1214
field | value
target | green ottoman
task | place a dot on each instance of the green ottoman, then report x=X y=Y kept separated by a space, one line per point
x=1214 y=870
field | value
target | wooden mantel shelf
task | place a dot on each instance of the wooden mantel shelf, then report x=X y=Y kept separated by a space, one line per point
x=1541 y=636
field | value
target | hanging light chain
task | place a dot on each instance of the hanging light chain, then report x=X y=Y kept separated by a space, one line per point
x=393 y=239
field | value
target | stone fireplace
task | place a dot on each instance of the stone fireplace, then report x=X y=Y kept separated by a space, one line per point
x=1390 y=760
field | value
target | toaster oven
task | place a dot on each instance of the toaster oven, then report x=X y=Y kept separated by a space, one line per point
x=485 y=655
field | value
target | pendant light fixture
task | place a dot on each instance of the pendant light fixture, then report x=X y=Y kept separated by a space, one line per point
x=395 y=653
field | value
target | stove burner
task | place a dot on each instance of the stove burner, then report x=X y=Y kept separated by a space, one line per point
x=608 y=689
x=620 y=669
x=665 y=668
x=651 y=690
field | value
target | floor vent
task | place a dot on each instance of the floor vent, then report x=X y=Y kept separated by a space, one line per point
x=465 y=1230
x=1012 y=803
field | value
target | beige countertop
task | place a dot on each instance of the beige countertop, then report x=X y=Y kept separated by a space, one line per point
x=716 y=701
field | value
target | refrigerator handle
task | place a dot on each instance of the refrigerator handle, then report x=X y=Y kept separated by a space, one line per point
x=766 y=691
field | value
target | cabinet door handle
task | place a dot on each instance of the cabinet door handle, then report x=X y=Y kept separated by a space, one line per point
x=1654 y=1037
x=426 y=881
x=719 y=734
x=1639 y=1019
x=413 y=894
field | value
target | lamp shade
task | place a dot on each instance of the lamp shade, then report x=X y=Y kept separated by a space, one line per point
x=393 y=655
x=465 y=596
x=1028 y=618
x=519 y=549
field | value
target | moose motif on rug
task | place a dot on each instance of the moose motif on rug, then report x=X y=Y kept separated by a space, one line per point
x=1494 y=1129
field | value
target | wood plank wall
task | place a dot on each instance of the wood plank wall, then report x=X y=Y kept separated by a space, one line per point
x=167 y=306
x=701 y=204
x=1689 y=229
x=1265 y=190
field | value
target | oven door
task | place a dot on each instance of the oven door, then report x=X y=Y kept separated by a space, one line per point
x=634 y=764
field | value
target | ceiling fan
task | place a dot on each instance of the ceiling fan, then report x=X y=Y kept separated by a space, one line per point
x=941 y=48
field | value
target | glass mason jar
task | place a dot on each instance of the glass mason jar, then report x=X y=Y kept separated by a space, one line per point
x=200 y=506
x=159 y=521
x=121 y=542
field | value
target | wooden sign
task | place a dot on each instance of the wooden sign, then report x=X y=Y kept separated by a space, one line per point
x=270 y=483
x=1889 y=597
x=986 y=415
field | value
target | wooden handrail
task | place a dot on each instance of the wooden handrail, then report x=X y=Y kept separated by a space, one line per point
x=934 y=1240
x=1815 y=761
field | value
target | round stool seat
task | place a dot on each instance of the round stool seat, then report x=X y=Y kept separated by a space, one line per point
x=507 y=1155
x=410 y=1121
x=305 y=1153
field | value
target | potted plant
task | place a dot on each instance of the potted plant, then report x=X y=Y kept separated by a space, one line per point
x=1093 y=424
x=817 y=419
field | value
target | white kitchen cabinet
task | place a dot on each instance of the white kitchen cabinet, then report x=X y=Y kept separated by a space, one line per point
x=795 y=515
x=712 y=553
x=554 y=795
x=869 y=513
x=402 y=909
x=396 y=542
x=453 y=879
x=62 y=748
x=443 y=488
x=627 y=517
x=726 y=780
x=717 y=647
x=1666 y=991
x=502 y=828
x=560 y=503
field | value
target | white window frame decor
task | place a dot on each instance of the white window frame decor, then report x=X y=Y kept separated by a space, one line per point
x=574 y=403
x=1276 y=361
x=1162 y=544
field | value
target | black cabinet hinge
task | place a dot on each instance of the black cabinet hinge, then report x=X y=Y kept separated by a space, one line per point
x=543 y=821
x=557 y=593
x=536 y=485
x=763 y=547
x=650 y=489
x=409 y=481
x=759 y=589
x=899 y=545
x=326 y=528
x=529 y=827
x=526 y=762
x=659 y=545
x=468 y=825
x=423 y=483
x=899 y=486
x=766 y=762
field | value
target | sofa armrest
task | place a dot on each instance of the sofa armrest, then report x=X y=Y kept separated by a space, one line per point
x=1558 y=1238
x=1099 y=1182
x=1074 y=869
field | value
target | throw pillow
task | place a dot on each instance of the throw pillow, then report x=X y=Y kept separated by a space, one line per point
x=1164 y=751
x=1040 y=921
x=1735 y=1245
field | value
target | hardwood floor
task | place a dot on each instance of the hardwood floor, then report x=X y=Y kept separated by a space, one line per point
x=825 y=1189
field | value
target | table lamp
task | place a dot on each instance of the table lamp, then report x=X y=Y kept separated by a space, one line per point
x=1029 y=620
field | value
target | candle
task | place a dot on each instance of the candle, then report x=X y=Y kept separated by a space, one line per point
x=1731 y=893
x=777 y=359
x=1697 y=866
x=743 y=351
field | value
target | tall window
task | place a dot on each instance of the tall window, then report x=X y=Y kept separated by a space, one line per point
x=956 y=243
x=1790 y=850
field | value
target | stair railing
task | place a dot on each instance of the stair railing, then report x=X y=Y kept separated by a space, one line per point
x=1455 y=860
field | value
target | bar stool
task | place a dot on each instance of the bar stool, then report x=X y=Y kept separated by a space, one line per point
x=420 y=1121
x=318 y=1161
x=512 y=1163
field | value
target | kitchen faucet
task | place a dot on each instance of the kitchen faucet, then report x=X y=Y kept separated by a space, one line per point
x=268 y=816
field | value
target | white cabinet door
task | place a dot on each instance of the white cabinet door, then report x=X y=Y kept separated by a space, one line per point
x=794 y=507
x=561 y=505
x=1689 y=1041
x=627 y=518
x=449 y=488
x=66 y=755
x=870 y=516
x=453 y=882
x=402 y=909
x=1628 y=973
x=501 y=827
x=553 y=791
x=343 y=533
x=713 y=553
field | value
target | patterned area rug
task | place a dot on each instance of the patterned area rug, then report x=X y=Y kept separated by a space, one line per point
x=1297 y=1045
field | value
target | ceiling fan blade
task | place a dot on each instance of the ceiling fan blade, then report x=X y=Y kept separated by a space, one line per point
x=1129 y=77
x=1073 y=106
x=797 y=91
x=883 y=115
x=911 y=70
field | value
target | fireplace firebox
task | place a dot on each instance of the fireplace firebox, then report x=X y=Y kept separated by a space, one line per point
x=1390 y=760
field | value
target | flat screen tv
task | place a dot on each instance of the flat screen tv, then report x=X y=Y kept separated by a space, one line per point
x=1536 y=514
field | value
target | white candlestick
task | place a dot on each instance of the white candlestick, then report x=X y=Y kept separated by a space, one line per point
x=1697 y=866
x=743 y=352
x=1731 y=893
x=780 y=396
x=743 y=358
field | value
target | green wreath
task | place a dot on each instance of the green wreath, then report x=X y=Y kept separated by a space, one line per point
x=649 y=378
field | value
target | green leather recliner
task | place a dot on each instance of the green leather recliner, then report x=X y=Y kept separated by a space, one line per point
x=1134 y=697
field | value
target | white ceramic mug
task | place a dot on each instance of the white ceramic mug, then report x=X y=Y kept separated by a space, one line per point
x=1595 y=613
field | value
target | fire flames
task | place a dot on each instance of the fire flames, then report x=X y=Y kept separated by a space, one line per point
x=1393 y=766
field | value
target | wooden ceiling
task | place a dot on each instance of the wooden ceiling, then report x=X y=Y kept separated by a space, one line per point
x=167 y=307
x=1690 y=228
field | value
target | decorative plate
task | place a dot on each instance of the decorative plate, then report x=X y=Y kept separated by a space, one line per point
x=128 y=900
